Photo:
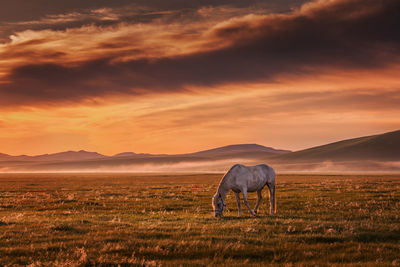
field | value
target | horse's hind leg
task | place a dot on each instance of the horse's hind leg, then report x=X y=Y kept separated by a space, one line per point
x=259 y=197
x=272 y=197
x=238 y=203
x=246 y=203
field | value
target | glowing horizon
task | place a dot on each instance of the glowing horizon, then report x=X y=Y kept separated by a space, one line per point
x=157 y=79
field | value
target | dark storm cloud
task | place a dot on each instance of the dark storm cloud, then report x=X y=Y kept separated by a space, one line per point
x=19 y=15
x=22 y=10
x=350 y=34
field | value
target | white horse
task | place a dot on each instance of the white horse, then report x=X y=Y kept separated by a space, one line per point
x=245 y=179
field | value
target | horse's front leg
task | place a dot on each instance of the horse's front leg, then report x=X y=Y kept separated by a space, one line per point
x=246 y=203
x=238 y=203
x=259 y=197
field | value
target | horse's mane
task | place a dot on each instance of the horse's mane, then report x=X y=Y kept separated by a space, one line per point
x=226 y=174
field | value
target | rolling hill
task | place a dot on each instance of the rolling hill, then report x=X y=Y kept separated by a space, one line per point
x=381 y=147
x=370 y=153
x=83 y=160
x=62 y=156
x=241 y=150
x=4 y=156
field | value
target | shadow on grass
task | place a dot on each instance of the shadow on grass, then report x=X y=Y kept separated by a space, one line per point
x=91 y=203
x=366 y=237
x=245 y=217
x=7 y=206
x=235 y=218
x=64 y=201
x=68 y=229
x=323 y=239
x=6 y=223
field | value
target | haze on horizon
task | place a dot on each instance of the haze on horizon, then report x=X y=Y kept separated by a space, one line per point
x=180 y=76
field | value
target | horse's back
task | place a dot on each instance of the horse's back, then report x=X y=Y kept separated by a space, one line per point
x=253 y=177
x=269 y=172
x=265 y=169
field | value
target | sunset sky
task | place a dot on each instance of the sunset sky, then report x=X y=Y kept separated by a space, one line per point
x=180 y=76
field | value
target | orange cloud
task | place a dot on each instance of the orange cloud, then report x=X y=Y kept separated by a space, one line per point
x=135 y=59
x=326 y=71
x=292 y=113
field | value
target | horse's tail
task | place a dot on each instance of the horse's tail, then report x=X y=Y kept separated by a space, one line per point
x=274 y=201
x=272 y=191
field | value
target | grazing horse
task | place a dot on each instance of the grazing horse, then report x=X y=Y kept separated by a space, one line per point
x=245 y=179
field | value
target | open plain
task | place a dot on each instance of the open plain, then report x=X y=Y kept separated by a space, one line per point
x=81 y=219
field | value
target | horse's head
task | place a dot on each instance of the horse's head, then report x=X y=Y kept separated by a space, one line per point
x=218 y=205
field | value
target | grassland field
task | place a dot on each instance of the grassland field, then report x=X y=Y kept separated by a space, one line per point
x=166 y=220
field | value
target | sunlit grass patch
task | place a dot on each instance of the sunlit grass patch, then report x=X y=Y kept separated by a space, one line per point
x=106 y=220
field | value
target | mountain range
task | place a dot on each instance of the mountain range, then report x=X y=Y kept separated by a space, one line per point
x=370 y=153
x=245 y=150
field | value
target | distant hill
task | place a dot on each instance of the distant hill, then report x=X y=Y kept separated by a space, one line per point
x=7 y=157
x=239 y=150
x=370 y=153
x=381 y=147
x=125 y=154
x=83 y=160
x=62 y=156
x=70 y=155
x=4 y=156
x=132 y=154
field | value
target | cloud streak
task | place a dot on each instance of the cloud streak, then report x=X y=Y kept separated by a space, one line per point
x=77 y=64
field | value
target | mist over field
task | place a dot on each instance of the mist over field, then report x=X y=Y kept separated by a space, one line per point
x=217 y=166
x=378 y=153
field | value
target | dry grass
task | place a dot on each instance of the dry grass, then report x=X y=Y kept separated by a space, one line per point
x=151 y=220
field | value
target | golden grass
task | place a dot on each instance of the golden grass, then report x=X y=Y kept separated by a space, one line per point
x=152 y=220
